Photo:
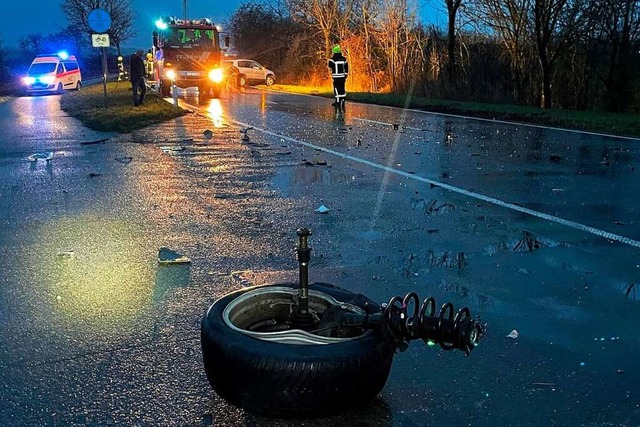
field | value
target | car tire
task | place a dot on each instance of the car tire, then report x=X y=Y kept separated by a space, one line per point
x=59 y=89
x=282 y=379
x=270 y=80
x=242 y=80
x=78 y=85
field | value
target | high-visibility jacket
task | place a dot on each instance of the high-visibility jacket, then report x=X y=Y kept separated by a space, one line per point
x=339 y=66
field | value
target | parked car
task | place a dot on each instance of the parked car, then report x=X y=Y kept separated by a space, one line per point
x=250 y=72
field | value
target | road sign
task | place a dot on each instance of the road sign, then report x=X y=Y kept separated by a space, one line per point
x=99 y=20
x=100 y=40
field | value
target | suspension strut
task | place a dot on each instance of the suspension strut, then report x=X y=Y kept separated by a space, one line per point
x=302 y=318
x=401 y=320
x=451 y=332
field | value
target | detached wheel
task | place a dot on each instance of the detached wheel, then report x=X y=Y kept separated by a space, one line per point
x=254 y=361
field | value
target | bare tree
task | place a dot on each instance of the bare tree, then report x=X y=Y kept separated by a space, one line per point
x=31 y=44
x=397 y=35
x=452 y=10
x=509 y=20
x=557 y=24
x=120 y=11
x=620 y=24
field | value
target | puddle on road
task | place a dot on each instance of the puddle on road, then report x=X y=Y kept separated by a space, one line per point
x=419 y=264
x=524 y=242
x=304 y=175
x=432 y=206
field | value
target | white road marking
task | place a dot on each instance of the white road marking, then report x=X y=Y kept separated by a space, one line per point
x=498 y=202
x=387 y=124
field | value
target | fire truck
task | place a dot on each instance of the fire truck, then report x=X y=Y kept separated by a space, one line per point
x=188 y=53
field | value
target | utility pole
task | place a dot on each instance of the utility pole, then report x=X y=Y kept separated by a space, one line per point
x=184 y=9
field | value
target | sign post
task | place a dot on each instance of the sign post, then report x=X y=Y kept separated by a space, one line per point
x=99 y=21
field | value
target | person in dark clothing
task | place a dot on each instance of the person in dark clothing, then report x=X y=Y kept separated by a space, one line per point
x=339 y=70
x=136 y=75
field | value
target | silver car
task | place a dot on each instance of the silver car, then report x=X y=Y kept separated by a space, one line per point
x=250 y=72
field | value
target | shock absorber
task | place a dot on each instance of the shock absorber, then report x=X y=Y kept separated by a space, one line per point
x=406 y=319
x=302 y=318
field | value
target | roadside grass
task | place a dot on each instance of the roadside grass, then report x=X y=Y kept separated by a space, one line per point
x=117 y=113
x=590 y=121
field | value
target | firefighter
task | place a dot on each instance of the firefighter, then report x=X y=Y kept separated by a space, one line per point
x=339 y=70
x=149 y=65
x=122 y=73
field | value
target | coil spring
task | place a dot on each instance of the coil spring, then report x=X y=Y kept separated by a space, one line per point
x=449 y=331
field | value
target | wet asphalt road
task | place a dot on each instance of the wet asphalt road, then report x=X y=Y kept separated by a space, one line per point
x=418 y=202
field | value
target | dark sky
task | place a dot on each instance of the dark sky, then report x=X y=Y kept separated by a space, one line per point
x=45 y=16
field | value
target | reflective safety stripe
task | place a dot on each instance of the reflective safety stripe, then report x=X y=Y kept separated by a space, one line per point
x=338 y=68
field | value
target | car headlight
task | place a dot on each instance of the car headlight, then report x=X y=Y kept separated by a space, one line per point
x=170 y=74
x=29 y=80
x=216 y=75
x=47 y=79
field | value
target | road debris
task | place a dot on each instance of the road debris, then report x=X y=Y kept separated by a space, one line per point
x=513 y=335
x=125 y=160
x=171 y=150
x=66 y=254
x=322 y=209
x=207 y=134
x=167 y=256
x=99 y=141
x=48 y=156
x=555 y=158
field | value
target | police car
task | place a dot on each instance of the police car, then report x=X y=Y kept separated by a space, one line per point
x=53 y=73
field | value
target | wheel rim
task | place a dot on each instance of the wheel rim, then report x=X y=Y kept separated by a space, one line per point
x=269 y=81
x=268 y=307
x=242 y=81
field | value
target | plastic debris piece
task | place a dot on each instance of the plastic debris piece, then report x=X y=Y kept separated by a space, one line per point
x=94 y=174
x=168 y=256
x=207 y=134
x=513 y=334
x=66 y=254
x=555 y=158
x=99 y=141
x=582 y=363
x=48 y=156
x=322 y=209
x=125 y=160
x=170 y=150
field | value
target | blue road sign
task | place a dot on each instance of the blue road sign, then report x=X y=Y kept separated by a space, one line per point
x=99 y=20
